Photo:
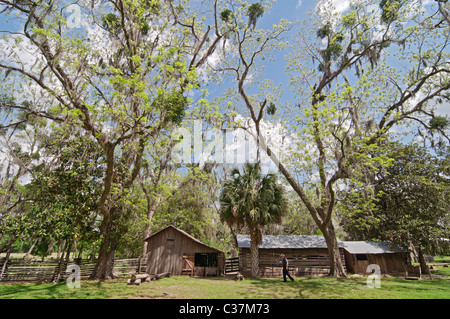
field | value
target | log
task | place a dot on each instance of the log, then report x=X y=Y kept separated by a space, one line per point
x=139 y=276
x=412 y=278
x=137 y=282
x=239 y=276
x=130 y=282
x=159 y=276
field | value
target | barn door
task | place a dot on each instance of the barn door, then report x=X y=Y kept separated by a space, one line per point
x=187 y=265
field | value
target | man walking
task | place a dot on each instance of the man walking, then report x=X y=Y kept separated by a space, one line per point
x=286 y=268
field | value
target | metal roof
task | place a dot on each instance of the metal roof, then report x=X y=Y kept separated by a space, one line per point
x=311 y=241
x=372 y=247
x=183 y=233
x=286 y=241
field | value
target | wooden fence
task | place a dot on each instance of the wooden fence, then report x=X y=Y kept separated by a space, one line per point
x=17 y=269
x=231 y=265
x=129 y=266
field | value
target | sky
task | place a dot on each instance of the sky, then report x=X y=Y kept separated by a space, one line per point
x=291 y=10
x=297 y=10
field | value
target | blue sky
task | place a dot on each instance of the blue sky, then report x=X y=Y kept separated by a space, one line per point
x=291 y=10
x=297 y=10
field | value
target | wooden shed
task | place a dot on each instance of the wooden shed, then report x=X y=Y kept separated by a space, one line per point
x=307 y=255
x=175 y=251
x=391 y=259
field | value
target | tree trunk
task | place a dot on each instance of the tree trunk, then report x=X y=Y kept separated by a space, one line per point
x=254 y=256
x=423 y=264
x=146 y=235
x=27 y=256
x=235 y=242
x=148 y=229
x=61 y=263
x=50 y=248
x=5 y=262
x=58 y=252
x=159 y=276
x=75 y=247
x=110 y=229
x=336 y=267
x=104 y=266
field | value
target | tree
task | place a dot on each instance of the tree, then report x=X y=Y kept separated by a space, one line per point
x=413 y=201
x=121 y=84
x=20 y=150
x=58 y=204
x=156 y=180
x=435 y=132
x=255 y=11
x=255 y=201
x=342 y=112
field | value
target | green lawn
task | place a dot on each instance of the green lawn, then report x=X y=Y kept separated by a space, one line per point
x=226 y=288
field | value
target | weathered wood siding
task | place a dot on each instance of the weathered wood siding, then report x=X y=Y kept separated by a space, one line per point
x=390 y=263
x=166 y=249
x=302 y=262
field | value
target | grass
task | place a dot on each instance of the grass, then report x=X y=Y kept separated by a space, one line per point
x=441 y=259
x=185 y=287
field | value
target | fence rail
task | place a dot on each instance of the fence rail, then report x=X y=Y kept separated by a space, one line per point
x=17 y=269
x=232 y=265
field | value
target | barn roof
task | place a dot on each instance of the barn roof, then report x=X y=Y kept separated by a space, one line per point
x=286 y=241
x=185 y=234
x=312 y=241
x=372 y=247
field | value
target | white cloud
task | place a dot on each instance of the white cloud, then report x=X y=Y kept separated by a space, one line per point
x=241 y=143
x=341 y=5
x=443 y=109
x=335 y=6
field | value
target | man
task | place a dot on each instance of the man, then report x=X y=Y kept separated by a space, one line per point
x=286 y=268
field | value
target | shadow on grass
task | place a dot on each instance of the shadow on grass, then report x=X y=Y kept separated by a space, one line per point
x=22 y=291
x=309 y=287
x=60 y=290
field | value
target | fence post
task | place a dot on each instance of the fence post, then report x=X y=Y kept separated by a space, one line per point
x=5 y=263
x=112 y=265
x=139 y=265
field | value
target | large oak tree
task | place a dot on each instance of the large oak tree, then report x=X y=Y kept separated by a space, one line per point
x=120 y=70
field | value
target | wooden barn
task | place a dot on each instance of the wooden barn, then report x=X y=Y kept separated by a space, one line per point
x=307 y=255
x=175 y=251
x=392 y=260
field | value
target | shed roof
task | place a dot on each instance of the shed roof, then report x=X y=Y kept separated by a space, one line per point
x=372 y=247
x=312 y=241
x=183 y=233
x=286 y=241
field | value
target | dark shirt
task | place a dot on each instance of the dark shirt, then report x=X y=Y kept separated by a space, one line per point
x=285 y=261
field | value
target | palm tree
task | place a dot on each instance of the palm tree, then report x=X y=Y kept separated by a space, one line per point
x=253 y=200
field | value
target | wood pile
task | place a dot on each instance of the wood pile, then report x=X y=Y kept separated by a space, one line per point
x=239 y=276
x=137 y=279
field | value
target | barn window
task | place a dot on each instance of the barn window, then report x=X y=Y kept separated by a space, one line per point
x=361 y=257
x=170 y=242
x=205 y=259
